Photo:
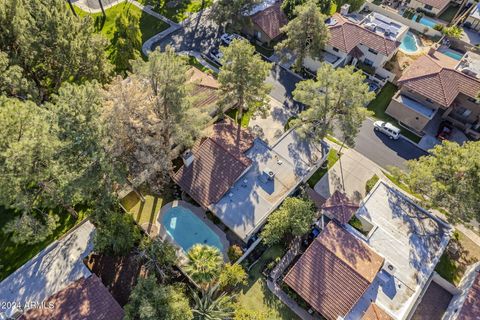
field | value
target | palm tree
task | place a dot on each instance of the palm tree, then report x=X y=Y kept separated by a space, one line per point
x=211 y=306
x=204 y=265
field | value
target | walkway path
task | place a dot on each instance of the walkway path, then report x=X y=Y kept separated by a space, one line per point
x=276 y=274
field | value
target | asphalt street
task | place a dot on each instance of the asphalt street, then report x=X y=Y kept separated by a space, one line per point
x=200 y=34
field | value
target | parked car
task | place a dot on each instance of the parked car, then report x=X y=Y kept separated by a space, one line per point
x=227 y=38
x=444 y=131
x=387 y=128
x=215 y=55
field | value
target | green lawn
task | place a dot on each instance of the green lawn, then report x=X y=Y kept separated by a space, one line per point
x=246 y=115
x=331 y=159
x=13 y=255
x=145 y=212
x=178 y=10
x=256 y=295
x=149 y=25
x=380 y=104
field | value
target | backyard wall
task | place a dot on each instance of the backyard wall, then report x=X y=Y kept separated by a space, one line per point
x=410 y=23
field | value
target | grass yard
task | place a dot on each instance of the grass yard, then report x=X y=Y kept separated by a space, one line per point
x=145 y=212
x=453 y=269
x=178 y=10
x=13 y=255
x=331 y=159
x=380 y=104
x=149 y=25
x=256 y=295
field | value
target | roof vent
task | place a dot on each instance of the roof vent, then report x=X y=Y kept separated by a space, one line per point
x=188 y=157
x=330 y=22
x=389 y=268
x=344 y=9
x=269 y=173
x=370 y=26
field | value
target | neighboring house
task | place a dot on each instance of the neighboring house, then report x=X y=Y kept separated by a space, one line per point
x=49 y=272
x=466 y=304
x=473 y=20
x=84 y=299
x=241 y=179
x=435 y=87
x=434 y=7
x=204 y=91
x=370 y=42
x=380 y=272
x=266 y=20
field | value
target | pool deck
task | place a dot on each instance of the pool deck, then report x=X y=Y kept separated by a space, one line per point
x=200 y=213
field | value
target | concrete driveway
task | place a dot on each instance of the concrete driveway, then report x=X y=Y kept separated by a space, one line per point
x=350 y=174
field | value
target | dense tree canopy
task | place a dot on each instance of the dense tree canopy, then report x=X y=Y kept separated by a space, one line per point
x=242 y=78
x=336 y=96
x=327 y=7
x=450 y=178
x=293 y=217
x=158 y=256
x=306 y=34
x=47 y=45
x=231 y=12
x=150 y=301
x=232 y=276
x=127 y=40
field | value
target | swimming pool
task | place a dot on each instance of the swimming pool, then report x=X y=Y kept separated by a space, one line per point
x=425 y=21
x=409 y=43
x=451 y=53
x=187 y=229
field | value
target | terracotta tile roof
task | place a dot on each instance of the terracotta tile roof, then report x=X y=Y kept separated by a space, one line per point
x=434 y=77
x=339 y=207
x=205 y=87
x=270 y=20
x=374 y=312
x=219 y=161
x=84 y=299
x=471 y=307
x=334 y=272
x=346 y=35
x=439 y=4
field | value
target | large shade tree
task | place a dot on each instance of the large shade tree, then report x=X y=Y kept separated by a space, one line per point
x=150 y=301
x=450 y=178
x=50 y=45
x=158 y=256
x=127 y=40
x=242 y=78
x=306 y=34
x=231 y=12
x=293 y=218
x=336 y=96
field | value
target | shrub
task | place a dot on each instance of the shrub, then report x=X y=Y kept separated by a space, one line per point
x=370 y=183
x=234 y=253
x=438 y=27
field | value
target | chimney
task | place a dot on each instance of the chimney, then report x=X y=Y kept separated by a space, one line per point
x=188 y=157
x=344 y=9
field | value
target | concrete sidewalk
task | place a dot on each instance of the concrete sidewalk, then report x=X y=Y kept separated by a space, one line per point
x=350 y=174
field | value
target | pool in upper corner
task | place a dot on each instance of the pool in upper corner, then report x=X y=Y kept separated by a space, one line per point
x=187 y=229
x=425 y=21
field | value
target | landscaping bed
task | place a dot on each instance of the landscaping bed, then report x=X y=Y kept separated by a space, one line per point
x=332 y=158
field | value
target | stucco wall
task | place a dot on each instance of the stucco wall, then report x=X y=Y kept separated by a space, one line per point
x=314 y=64
x=416 y=4
x=407 y=116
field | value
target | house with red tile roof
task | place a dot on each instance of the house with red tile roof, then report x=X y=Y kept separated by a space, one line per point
x=437 y=88
x=370 y=42
x=378 y=268
x=265 y=24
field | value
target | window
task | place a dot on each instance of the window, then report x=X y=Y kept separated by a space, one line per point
x=463 y=112
x=428 y=7
x=368 y=62
x=335 y=49
x=429 y=100
x=472 y=99
x=372 y=51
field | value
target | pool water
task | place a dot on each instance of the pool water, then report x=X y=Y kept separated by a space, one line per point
x=425 y=21
x=452 y=54
x=187 y=229
x=409 y=43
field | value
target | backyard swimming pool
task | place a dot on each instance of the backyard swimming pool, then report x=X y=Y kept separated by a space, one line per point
x=425 y=21
x=451 y=53
x=186 y=229
x=409 y=43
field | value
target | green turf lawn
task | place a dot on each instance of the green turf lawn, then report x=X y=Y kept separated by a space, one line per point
x=178 y=10
x=13 y=255
x=149 y=25
x=145 y=212
x=380 y=104
x=331 y=158
x=256 y=295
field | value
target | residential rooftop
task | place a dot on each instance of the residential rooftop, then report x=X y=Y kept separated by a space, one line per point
x=84 y=299
x=383 y=26
x=274 y=174
x=334 y=272
x=410 y=239
x=346 y=35
x=439 y=4
x=52 y=270
x=270 y=20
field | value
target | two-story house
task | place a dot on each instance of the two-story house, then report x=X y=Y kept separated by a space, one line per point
x=368 y=43
x=436 y=85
